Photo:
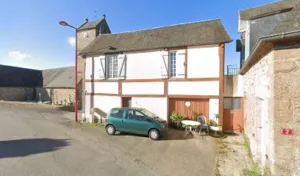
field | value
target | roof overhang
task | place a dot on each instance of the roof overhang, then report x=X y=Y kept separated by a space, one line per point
x=265 y=44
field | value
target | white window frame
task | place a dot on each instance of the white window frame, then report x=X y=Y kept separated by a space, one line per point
x=172 y=59
x=112 y=66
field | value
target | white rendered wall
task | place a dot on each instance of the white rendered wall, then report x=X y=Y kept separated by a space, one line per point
x=87 y=106
x=247 y=40
x=194 y=88
x=102 y=87
x=213 y=109
x=145 y=88
x=105 y=103
x=88 y=68
x=158 y=106
x=203 y=62
x=145 y=65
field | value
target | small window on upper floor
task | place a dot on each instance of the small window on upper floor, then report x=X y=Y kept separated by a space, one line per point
x=172 y=64
x=113 y=68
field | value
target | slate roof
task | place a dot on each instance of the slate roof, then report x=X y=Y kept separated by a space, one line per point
x=268 y=9
x=50 y=78
x=90 y=25
x=19 y=77
x=59 y=77
x=197 y=33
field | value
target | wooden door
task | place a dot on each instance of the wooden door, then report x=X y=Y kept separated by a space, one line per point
x=126 y=102
x=233 y=114
x=196 y=105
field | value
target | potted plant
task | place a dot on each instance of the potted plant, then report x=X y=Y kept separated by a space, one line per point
x=176 y=119
x=214 y=126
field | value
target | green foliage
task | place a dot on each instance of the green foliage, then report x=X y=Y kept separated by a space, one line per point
x=253 y=171
x=177 y=118
x=213 y=123
x=195 y=115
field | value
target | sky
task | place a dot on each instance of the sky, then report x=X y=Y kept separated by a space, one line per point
x=31 y=37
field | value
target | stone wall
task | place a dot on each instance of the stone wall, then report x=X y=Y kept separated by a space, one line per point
x=233 y=86
x=258 y=110
x=16 y=94
x=287 y=109
x=56 y=96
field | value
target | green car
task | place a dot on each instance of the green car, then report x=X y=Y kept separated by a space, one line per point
x=136 y=121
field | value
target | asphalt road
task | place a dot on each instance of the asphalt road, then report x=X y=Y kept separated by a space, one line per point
x=41 y=141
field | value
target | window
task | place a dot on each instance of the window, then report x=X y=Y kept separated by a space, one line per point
x=117 y=113
x=172 y=64
x=112 y=66
x=136 y=115
x=232 y=103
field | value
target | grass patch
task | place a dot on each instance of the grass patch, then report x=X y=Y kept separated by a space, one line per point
x=247 y=145
x=90 y=124
x=253 y=171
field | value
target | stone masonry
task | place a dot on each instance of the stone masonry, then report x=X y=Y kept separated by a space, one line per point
x=63 y=96
x=82 y=42
x=287 y=109
x=16 y=93
x=258 y=88
x=272 y=90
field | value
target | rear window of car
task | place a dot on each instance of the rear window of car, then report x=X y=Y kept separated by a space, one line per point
x=117 y=113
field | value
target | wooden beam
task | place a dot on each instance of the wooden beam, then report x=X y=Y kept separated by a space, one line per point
x=186 y=63
x=194 y=96
x=221 y=82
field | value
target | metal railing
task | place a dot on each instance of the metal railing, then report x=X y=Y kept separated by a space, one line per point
x=232 y=70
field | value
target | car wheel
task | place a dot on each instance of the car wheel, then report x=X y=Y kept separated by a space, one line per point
x=110 y=129
x=154 y=134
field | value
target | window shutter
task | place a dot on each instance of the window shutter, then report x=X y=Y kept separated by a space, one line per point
x=180 y=69
x=122 y=66
x=164 y=64
x=102 y=67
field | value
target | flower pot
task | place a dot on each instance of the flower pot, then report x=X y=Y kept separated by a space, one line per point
x=215 y=128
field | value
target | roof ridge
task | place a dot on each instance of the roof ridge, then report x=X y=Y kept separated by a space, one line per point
x=253 y=7
x=57 y=68
x=159 y=27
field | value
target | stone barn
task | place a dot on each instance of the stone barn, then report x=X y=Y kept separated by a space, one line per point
x=53 y=86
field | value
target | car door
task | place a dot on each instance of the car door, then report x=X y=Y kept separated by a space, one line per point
x=135 y=122
x=117 y=118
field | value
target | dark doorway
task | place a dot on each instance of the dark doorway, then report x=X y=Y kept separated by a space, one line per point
x=126 y=102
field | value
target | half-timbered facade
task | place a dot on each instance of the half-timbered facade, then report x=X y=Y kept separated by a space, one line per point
x=175 y=68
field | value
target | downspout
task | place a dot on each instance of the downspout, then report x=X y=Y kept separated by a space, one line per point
x=267 y=39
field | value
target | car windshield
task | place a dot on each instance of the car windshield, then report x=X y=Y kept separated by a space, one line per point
x=148 y=113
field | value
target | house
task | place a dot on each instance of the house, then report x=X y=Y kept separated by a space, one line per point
x=270 y=54
x=86 y=33
x=173 y=68
x=55 y=86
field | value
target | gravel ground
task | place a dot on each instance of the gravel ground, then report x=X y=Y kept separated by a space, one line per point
x=38 y=140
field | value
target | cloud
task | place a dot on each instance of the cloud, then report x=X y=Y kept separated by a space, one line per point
x=18 y=56
x=71 y=41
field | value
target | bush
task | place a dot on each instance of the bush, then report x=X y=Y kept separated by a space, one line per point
x=176 y=118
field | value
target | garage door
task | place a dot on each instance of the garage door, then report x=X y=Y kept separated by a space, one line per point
x=196 y=105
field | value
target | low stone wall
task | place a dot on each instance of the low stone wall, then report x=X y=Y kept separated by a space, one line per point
x=16 y=94
x=61 y=96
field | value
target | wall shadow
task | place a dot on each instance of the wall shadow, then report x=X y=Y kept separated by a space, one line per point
x=25 y=147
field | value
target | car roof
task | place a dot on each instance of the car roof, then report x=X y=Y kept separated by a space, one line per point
x=129 y=108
